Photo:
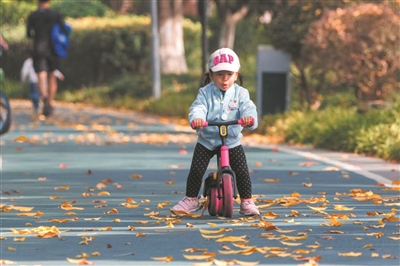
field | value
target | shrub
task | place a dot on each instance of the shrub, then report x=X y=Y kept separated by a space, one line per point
x=135 y=86
x=14 y=13
x=102 y=49
x=336 y=128
x=382 y=140
x=79 y=9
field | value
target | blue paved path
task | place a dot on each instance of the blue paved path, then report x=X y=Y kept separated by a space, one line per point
x=80 y=149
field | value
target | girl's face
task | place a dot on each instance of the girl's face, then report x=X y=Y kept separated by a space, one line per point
x=224 y=79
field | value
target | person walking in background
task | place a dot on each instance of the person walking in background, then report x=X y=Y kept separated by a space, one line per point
x=45 y=60
x=28 y=74
x=221 y=99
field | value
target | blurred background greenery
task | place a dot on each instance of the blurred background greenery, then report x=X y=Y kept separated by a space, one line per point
x=345 y=73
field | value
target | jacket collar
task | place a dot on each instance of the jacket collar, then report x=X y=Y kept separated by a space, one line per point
x=229 y=92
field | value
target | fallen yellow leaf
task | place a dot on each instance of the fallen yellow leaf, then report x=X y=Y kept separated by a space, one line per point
x=290 y=244
x=316 y=208
x=130 y=206
x=68 y=207
x=55 y=197
x=197 y=257
x=206 y=263
x=21 y=139
x=100 y=186
x=302 y=251
x=315 y=245
x=390 y=219
x=164 y=259
x=350 y=254
x=246 y=263
x=108 y=228
x=80 y=261
x=271 y=180
x=21 y=209
x=294 y=238
x=263 y=206
x=270 y=215
x=62 y=188
x=92 y=219
x=103 y=193
x=204 y=231
x=342 y=208
x=334 y=221
x=112 y=211
x=212 y=236
x=232 y=239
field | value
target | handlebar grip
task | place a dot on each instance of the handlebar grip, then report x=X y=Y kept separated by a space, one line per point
x=252 y=122
x=240 y=122
x=205 y=124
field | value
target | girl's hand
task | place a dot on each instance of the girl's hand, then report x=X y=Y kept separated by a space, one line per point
x=247 y=121
x=198 y=123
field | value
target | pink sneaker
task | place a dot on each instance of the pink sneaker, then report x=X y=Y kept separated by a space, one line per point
x=186 y=205
x=248 y=208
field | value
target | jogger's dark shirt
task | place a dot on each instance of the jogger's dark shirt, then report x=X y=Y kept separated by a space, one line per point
x=39 y=26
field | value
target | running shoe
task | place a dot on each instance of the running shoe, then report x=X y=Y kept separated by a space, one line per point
x=186 y=205
x=248 y=208
x=46 y=107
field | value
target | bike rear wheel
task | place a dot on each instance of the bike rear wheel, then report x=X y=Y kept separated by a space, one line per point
x=228 y=195
x=214 y=204
x=5 y=114
x=221 y=203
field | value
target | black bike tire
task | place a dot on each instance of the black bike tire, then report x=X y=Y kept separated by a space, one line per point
x=214 y=204
x=6 y=124
x=221 y=204
x=228 y=195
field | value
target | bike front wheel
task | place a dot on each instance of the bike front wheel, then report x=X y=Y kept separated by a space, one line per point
x=228 y=195
x=5 y=114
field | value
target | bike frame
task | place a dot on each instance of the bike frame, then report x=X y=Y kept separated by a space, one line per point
x=223 y=154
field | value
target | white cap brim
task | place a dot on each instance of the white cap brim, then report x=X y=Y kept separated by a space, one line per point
x=225 y=67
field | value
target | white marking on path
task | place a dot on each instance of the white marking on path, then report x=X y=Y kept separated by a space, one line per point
x=346 y=166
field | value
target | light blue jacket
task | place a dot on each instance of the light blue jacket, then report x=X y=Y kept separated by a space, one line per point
x=210 y=105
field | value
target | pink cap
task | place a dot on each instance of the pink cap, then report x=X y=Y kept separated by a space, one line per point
x=224 y=59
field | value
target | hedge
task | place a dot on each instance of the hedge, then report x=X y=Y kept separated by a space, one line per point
x=102 y=49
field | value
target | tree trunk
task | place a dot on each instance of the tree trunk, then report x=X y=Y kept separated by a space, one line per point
x=305 y=87
x=228 y=29
x=172 y=50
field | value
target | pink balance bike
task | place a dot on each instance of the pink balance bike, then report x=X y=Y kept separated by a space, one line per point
x=220 y=187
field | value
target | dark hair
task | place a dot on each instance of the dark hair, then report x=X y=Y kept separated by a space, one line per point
x=207 y=78
x=44 y=1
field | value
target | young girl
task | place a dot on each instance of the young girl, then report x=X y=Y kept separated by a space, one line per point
x=220 y=100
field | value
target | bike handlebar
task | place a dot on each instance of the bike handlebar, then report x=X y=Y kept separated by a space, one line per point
x=233 y=122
